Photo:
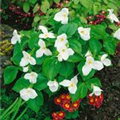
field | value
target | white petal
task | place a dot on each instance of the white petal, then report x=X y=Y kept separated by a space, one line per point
x=106 y=62
x=41 y=43
x=104 y=57
x=60 y=58
x=73 y=89
x=24 y=95
x=64 y=21
x=53 y=85
x=23 y=62
x=13 y=40
x=32 y=93
x=25 y=69
x=42 y=36
x=47 y=52
x=117 y=34
x=74 y=80
x=57 y=16
x=43 y=29
x=88 y=54
x=65 y=83
x=86 y=69
x=64 y=55
x=39 y=53
x=32 y=61
x=27 y=76
x=97 y=91
x=51 y=35
x=70 y=51
x=65 y=10
x=97 y=65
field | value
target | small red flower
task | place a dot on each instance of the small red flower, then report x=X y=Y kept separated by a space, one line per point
x=54 y=114
x=66 y=106
x=57 y=101
x=68 y=97
x=62 y=96
x=61 y=114
x=75 y=105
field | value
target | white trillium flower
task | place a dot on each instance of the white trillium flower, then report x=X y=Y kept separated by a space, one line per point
x=112 y=16
x=15 y=38
x=117 y=34
x=32 y=77
x=53 y=85
x=64 y=53
x=61 y=40
x=27 y=59
x=45 y=33
x=28 y=93
x=25 y=69
x=91 y=64
x=105 y=60
x=71 y=84
x=84 y=33
x=96 y=91
x=62 y=16
x=43 y=50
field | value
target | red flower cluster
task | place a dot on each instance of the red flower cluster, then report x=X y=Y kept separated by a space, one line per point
x=65 y=102
x=96 y=100
x=58 y=115
x=96 y=19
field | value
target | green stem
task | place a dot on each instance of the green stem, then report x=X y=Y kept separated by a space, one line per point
x=17 y=109
x=22 y=113
x=9 y=108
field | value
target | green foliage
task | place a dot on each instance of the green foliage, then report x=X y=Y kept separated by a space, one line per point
x=10 y=74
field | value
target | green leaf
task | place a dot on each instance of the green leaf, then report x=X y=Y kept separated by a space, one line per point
x=35 y=104
x=80 y=93
x=66 y=69
x=20 y=84
x=35 y=9
x=95 y=46
x=75 y=45
x=96 y=7
x=76 y=1
x=51 y=68
x=10 y=74
x=26 y=7
x=68 y=29
x=56 y=1
x=109 y=47
x=45 y=6
x=86 y=3
x=93 y=81
x=33 y=1
x=41 y=83
x=33 y=41
x=75 y=58
x=36 y=18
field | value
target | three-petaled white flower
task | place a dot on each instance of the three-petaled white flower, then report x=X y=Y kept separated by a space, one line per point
x=112 y=16
x=117 y=34
x=42 y=50
x=71 y=84
x=15 y=38
x=84 y=33
x=61 y=41
x=91 y=64
x=105 y=60
x=27 y=59
x=64 y=53
x=28 y=93
x=62 y=16
x=45 y=33
x=96 y=91
x=53 y=85
x=32 y=77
